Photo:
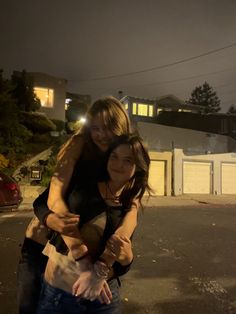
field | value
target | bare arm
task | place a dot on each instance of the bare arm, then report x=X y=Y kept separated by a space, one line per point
x=67 y=159
x=125 y=230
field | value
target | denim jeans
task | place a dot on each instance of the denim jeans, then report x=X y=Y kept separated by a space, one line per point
x=56 y=301
x=29 y=276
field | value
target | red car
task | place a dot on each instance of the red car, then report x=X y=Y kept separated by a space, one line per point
x=10 y=195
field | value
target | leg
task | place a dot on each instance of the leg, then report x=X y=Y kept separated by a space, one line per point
x=56 y=301
x=29 y=275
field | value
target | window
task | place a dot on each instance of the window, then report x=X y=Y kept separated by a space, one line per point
x=184 y=110
x=142 y=110
x=134 y=111
x=150 y=113
x=45 y=95
x=126 y=106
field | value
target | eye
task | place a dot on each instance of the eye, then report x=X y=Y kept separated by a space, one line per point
x=113 y=156
x=94 y=128
x=128 y=161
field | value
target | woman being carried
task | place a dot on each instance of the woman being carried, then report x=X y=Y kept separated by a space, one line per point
x=102 y=207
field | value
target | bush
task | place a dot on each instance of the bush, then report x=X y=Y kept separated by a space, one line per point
x=42 y=138
x=4 y=162
x=37 y=122
x=60 y=125
x=14 y=139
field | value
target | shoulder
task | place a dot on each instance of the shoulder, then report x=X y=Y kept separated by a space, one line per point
x=72 y=148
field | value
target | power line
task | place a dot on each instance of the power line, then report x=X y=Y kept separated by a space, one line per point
x=160 y=66
x=181 y=79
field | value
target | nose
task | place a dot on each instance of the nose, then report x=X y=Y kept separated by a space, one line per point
x=102 y=134
x=119 y=165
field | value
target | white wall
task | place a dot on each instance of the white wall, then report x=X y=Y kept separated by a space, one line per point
x=166 y=138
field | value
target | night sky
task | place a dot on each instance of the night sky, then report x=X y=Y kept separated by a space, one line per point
x=146 y=48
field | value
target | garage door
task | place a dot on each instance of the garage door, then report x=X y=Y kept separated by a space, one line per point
x=228 y=178
x=157 y=176
x=196 y=177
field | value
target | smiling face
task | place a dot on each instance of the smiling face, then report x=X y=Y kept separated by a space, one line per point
x=121 y=166
x=100 y=134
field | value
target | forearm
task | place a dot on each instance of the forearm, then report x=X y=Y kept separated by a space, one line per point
x=41 y=209
x=74 y=241
x=56 y=222
x=129 y=223
x=125 y=230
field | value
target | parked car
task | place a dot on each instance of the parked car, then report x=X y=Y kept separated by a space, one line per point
x=10 y=195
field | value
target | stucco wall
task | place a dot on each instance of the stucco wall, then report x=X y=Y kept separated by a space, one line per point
x=165 y=138
x=215 y=159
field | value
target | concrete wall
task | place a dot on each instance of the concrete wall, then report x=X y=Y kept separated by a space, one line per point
x=59 y=87
x=215 y=159
x=165 y=138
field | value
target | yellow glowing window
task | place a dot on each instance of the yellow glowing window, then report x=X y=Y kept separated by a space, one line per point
x=159 y=110
x=126 y=106
x=150 y=113
x=142 y=110
x=45 y=95
x=134 y=111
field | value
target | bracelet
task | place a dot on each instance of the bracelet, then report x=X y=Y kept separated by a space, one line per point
x=101 y=259
x=101 y=270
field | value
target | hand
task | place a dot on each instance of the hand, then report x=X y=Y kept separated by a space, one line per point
x=88 y=286
x=105 y=295
x=92 y=285
x=121 y=246
x=66 y=224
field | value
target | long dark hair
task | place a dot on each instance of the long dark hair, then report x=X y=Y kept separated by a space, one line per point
x=138 y=184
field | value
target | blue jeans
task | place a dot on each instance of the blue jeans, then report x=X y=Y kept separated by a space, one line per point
x=56 y=301
x=29 y=276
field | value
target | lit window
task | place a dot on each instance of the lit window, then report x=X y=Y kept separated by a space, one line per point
x=126 y=106
x=184 y=110
x=150 y=113
x=45 y=95
x=159 y=110
x=134 y=111
x=142 y=110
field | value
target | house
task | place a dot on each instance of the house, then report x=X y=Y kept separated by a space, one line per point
x=149 y=109
x=207 y=163
x=52 y=94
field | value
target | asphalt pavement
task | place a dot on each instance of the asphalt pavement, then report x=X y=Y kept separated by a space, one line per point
x=185 y=258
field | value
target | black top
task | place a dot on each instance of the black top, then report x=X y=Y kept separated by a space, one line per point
x=88 y=169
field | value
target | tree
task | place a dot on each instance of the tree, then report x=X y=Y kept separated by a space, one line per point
x=23 y=92
x=231 y=110
x=13 y=135
x=205 y=96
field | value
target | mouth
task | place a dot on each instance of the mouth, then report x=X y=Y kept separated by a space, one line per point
x=116 y=171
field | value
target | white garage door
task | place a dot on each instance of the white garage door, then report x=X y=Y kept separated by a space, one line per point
x=157 y=176
x=196 y=177
x=228 y=178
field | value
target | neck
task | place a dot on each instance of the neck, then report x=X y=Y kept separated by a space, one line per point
x=113 y=191
x=115 y=187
